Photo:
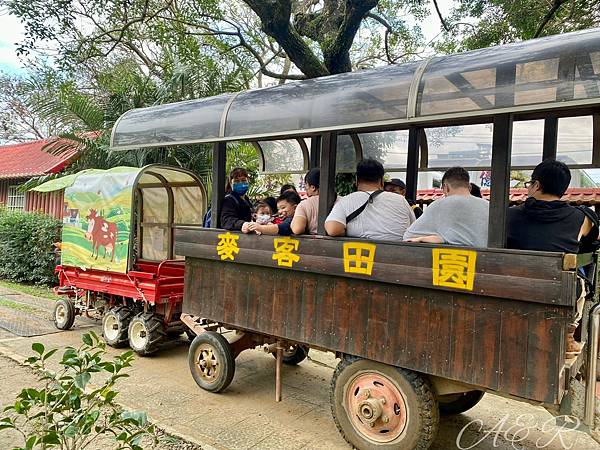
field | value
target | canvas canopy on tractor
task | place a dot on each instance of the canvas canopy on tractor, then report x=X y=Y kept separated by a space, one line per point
x=115 y=217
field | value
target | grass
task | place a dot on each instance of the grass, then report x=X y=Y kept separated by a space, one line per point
x=16 y=306
x=37 y=291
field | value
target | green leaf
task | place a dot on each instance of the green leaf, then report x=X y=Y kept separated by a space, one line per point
x=31 y=442
x=140 y=418
x=51 y=438
x=87 y=339
x=49 y=354
x=71 y=431
x=38 y=348
x=82 y=379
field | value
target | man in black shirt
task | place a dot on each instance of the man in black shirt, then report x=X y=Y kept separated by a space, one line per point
x=546 y=223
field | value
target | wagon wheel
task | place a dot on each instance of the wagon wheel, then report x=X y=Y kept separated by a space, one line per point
x=294 y=354
x=458 y=403
x=145 y=333
x=376 y=406
x=64 y=314
x=114 y=326
x=211 y=361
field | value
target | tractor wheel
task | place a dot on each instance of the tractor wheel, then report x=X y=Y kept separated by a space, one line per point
x=145 y=333
x=114 y=326
x=376 y=406
x=458 y=403
x=64 y=314
x=293 y=355
x=211 y=361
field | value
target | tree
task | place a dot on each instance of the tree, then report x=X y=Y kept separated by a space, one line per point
x=483 y=23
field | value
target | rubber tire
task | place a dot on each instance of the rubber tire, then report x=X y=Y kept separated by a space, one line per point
x=224 y=355
x=463 y=402
x=70 y=313
x=423 y=412
x=154 y=331
x=124 y=315
x=300 y=354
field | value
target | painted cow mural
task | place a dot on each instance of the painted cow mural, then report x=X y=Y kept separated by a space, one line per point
x=101 y=233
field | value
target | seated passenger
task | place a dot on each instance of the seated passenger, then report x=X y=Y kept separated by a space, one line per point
x=546 y=223
x=307 y=212
x=236 y=209
x=287 y=187
x=263 y=214
x=370 y=213
x=397 y=186
x=476 y=190
x=286 y=206
x=457 y=219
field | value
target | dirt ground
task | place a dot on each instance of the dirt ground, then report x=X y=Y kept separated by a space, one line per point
x=246 y=416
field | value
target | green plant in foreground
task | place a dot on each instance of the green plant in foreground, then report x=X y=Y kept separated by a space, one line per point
x=67 y=412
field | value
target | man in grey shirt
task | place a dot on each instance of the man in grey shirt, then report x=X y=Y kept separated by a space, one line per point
x=385 y=215
x=457 y=219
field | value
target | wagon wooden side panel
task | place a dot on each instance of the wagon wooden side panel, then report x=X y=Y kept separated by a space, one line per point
x=500 y=330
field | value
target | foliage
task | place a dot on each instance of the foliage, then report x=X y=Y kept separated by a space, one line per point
x=483 y=23
x=68 y=412
x=26 y=246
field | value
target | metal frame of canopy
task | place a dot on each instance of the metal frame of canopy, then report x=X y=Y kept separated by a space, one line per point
x=559 y=75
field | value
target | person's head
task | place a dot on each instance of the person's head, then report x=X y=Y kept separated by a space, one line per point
x=395 y=185
x=550 y=178
x=369 y=171
x=456 y=181
x=312 y=181
x=475 y=190
x=262 y=213
x=238 y=181
x=286 y=204
x=287 y=187
x=272 y=202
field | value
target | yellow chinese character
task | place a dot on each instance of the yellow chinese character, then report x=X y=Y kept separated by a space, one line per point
x=284 y=251
x=359 y=257
x=454 y=268
x=227 y=247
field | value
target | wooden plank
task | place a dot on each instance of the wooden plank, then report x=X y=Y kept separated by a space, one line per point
x=501 y=155
x=412 y=163
x=218 y=182
x=487 y=342
x=512 y=373
x=387 y=269
x=327 y=193
x=418 y=341
x=378 y=334
x=310 y=309
x=441 y=334
x=464 y=339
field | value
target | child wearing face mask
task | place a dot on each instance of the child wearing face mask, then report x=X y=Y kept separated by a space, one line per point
x=263 y=214
x=286 y=206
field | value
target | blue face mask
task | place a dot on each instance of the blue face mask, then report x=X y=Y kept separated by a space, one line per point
x=240 y=188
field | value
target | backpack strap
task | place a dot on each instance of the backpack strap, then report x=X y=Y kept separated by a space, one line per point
x=353 y=215
x=589 y=214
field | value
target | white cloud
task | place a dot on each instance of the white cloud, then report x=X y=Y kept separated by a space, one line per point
x=12 y=32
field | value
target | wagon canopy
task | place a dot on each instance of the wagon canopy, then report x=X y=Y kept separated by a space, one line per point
x=114 y=217
x=554 y=72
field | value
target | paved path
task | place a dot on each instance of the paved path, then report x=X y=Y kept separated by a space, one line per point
x=246 y=416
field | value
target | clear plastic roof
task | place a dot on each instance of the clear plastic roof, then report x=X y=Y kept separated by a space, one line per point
x=552 y=72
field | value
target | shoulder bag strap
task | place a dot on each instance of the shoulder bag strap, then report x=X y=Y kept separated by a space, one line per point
x=353 y=215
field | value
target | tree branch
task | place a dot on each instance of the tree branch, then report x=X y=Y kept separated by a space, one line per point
x=549 y=15
x=439 y=13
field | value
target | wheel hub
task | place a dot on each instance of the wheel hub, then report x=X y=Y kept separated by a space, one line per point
x=61 y=314
x=376 y=407
x=208 y=363
x=111 y=327
x=139 y=335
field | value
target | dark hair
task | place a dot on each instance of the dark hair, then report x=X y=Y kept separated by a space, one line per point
x=475 y=190
x=456 y=177
x=554 y=177
x=263 y=204
x=236 y=172
x=312 y=177
x=369 y=170
x=291 y=197
x=272 y=202
x=287 y=187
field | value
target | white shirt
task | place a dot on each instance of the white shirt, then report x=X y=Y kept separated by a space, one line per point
x=386 y=219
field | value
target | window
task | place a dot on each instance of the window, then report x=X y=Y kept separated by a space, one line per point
x=15 y=200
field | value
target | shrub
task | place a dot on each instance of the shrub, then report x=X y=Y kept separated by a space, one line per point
x=26 y=253
x=67 y=412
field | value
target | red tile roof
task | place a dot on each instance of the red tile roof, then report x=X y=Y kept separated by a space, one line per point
x=577 y=196
x=28 y=159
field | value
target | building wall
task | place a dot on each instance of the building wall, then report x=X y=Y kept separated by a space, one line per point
x=50 y=203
